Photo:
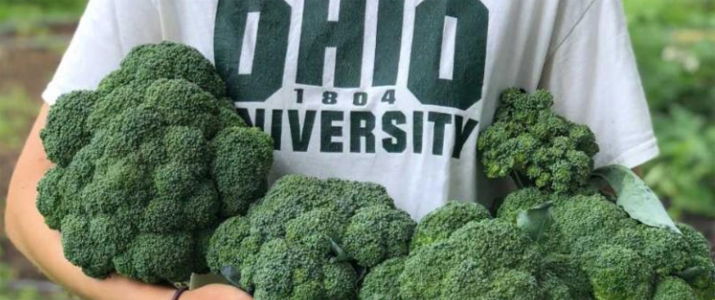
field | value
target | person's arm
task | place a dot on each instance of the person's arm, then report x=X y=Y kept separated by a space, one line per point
x=42 y=246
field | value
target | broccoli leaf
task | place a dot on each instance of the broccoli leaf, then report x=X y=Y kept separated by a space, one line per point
x=232 y=274
x=636 y=198
x=536 y=221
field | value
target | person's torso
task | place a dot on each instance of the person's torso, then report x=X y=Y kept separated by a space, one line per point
x=389 y=91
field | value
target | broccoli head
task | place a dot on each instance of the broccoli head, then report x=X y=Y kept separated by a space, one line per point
x=482 y=256
x=147 y=164
x=673 y=288
x=617 y=272
x=381 y=282
x=440 y=224
x=667 y=251
x=535 y=145
x=310 y=238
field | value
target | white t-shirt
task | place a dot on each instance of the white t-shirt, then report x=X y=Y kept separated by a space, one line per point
x=389 y=91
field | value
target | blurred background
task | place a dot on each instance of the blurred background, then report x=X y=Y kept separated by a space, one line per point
x=674 y=41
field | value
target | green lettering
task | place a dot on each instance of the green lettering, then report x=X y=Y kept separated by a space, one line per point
x=462 y=133
x=267 y=60
x=362 y=125
x=398 y=142
x=277 y=128
x=463 y=87
x=440 y=121
x=301 y=134
x=389 y=40
x=345 y=34
x=328 y=131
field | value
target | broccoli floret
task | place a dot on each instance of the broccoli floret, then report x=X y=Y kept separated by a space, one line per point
x=536 y=146
x=616 y=272
x=469 y=281
x=673 y=288
x=381 y=282
x=308 y=238
x=376 y=233
x=440 y=224
x=521 y=200
x=491 y=244
x=585 y=222
x=148 y=165
x=283 y=271
x=665 y=250
x=562 y=278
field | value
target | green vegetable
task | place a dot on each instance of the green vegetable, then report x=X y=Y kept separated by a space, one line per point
x=618 y=273
x=148 y=165
x=673 y=288
x=536 y=146
x=311 y=239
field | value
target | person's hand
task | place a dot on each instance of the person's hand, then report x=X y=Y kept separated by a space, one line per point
x=216 y=292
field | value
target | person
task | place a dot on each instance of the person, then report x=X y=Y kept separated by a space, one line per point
x=389 y=91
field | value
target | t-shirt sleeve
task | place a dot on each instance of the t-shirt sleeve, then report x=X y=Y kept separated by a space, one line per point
x=107 y=30
x=591 y=71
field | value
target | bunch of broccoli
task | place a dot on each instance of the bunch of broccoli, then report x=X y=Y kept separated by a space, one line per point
x=620 y=257
x=556 y=238
x=535 y=146
x=148 y=165
x=593 y=250
x=310 y=239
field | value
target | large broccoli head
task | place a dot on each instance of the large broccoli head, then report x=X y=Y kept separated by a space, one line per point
x=309 y=238
x=148 y=165
x=532 y=143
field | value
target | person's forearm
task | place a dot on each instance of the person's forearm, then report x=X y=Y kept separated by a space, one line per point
x=42 y=246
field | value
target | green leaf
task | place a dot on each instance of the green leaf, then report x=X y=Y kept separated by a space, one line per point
x=232 y=274
x=536 y=221
x=636 y=198
x=340 y=254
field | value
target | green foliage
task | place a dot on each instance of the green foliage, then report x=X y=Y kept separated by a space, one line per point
x=148 y=165
x=537 y=147
x=311 y=239
x=673 y=41
x=16 y=113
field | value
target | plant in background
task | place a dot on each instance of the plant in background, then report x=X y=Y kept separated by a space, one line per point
x=673 y=41
x=148 y=165
x=16 y=113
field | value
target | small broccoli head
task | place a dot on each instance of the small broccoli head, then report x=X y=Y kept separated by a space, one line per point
x=283 y=271
x=673 y=288
x=381 y=282
x=520 y=200
x=135 y=189
x=663 y=249
x=469 y=281
x=377 y=233
x=66 y=131
x=441 y=223
x=618 y=273
x=585 y=222
x=490 y=244
x=532 y=143
x=308 y=237
x=562 y=278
